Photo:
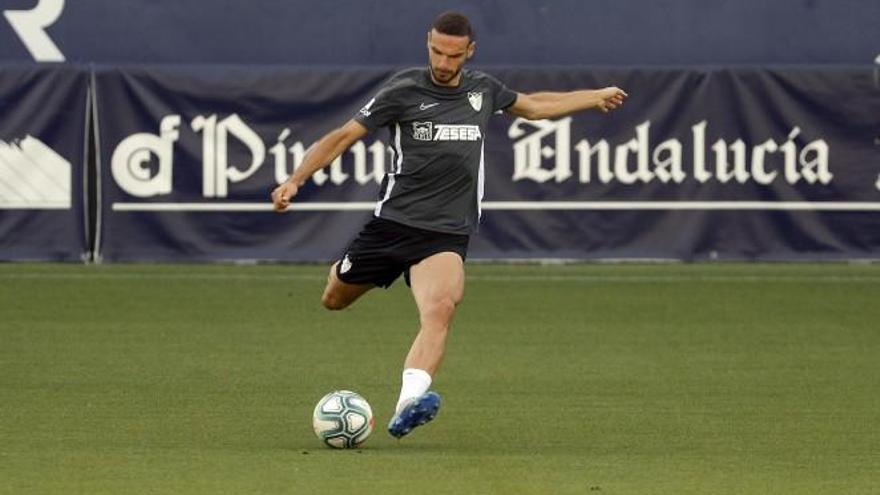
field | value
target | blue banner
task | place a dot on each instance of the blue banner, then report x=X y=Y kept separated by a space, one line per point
x=189 y=157
x=512 y=32
x=42 y=163
x=745 y=163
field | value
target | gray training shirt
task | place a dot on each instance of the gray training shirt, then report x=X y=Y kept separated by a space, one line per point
x=435 y=181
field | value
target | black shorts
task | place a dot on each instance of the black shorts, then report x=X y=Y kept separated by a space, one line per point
x=385 y=249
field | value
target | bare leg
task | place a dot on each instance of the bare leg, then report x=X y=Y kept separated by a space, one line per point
x=338 y=294
x=438 y=287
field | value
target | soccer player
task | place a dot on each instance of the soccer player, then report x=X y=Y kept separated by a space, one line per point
x=429 y=202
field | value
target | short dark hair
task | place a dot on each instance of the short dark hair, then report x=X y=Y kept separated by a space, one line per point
x=454 y=24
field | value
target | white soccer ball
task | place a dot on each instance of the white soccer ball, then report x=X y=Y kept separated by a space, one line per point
x=343 y=419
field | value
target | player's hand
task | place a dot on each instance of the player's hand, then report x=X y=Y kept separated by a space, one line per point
x=282 y=194
x=610 y=98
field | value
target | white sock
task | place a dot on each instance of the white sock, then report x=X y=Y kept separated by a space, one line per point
x=415 y=383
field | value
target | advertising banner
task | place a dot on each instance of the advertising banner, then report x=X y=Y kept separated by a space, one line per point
x=745 y=163
x=43 y=126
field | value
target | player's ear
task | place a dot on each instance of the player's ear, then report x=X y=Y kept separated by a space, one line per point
x=472 y=47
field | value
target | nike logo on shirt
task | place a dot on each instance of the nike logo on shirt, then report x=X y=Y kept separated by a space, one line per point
x=425 y=107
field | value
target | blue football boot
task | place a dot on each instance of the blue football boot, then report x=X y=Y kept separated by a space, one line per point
x=415 y=412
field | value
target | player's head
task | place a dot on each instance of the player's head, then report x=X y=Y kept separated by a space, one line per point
x=450 y=44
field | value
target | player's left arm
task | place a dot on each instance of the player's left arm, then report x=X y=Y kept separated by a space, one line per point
x=548 y=105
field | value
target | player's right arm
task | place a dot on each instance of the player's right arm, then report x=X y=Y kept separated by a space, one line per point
x=378 y=112
x=318 y=156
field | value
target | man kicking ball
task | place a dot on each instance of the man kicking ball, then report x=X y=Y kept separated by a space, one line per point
x=429 y=202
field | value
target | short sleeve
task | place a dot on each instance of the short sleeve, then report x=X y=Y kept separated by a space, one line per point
x=381 y=109
x=502 y=96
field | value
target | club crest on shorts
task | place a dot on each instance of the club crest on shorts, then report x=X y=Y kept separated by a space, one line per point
x=476 y=100
x=345 y=265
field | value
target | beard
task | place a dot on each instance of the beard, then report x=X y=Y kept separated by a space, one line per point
x=445 y=76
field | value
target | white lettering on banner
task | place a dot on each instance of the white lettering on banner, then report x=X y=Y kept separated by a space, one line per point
x=638 y=146
x=337 y=176
x=378 y=150
x=130 y=162
x=142 y=163
x=668 y=169
x=665 y=162
x=279 y=152
x=529 y=153
x=217 y=172
x=30 y=26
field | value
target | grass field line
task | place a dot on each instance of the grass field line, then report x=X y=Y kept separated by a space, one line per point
x=599 y=278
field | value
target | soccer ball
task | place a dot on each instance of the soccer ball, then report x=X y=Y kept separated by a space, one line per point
x=343 y=419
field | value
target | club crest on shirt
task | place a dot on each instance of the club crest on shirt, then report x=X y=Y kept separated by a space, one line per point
x=423 y=131
x=476 y=100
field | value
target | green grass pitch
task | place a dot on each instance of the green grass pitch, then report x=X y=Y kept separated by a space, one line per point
x=609 y=379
